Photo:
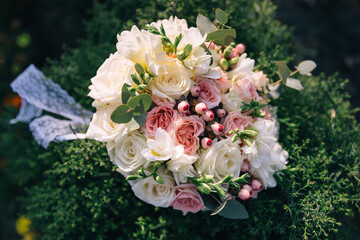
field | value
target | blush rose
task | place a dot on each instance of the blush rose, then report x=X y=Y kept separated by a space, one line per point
x=159 y=117
x=187 y=199
x=186 y=131
x=236 y=120
x=209 y=93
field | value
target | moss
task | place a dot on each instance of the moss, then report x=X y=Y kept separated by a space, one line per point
x=74 y=192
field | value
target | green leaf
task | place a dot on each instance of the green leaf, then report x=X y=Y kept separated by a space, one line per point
x=219 y=208
x=284 y=71
x=204 y=24
x=121 y=114
x=235 y=185
x=140 y=119
x=234 y=210
x=125 y=93
x=140 y=103
x=221 y=16
x=209 y=201
x=162 y=29
x=222 y=36
x=178 y=39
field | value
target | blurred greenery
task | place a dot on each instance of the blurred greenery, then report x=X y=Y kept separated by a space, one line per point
x=72 y=191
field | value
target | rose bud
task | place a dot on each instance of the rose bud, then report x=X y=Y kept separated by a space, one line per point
x=217 y=128
x=244 y=194
x=256 y=185
x=249 y=188
x=208 y=115
x=240 y=48
x=183 y=106
x=246 y=166
x=201 y=108
x=220 y=113
x=195 y=91
x=206 y=142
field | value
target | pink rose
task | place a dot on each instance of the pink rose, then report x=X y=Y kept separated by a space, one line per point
x=223 y=84
x=209 y=94
x=246 y=89
x=186 y=131
x=236 y=120
x=187 y=199
x=159 y=117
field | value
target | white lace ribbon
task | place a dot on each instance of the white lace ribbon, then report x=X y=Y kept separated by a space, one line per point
x=40 y=93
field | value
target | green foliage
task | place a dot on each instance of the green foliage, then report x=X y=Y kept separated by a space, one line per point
x=74 y=192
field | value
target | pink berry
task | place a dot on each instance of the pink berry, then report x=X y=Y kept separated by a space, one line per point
x=256 y=185
x=244 y=194
x=249 y=188
x=183 y=106
x=246 y=166
x=208 y=115
x=220 y=113
x=188 y=114
x=240 y=48
x=206 y=142
x=201 y=108
x=195 y=91
x=217 y=128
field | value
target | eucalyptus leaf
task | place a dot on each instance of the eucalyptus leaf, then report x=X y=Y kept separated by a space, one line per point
x=219 y=208
x=140 y=119
x=222 y=36
x=204 y=24
x=121 y=114
x=234 y=210
x=125 y=93
x=209 y=201
x=294 y=83
x=143 y=101
x=221 y=16
x=284 y=71
x=306 y=67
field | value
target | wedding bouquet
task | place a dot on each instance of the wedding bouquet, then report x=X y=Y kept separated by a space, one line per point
x=186 y=116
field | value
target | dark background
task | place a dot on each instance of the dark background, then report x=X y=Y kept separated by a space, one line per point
x=326 y=31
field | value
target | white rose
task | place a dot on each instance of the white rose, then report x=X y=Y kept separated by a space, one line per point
x=159 y=195
x=221 y=159
x=265 y=172
x=126 y=153
x=182 y=167
x=171 y=82
x=109 y=80
x=162 y=148
x=101 y=127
